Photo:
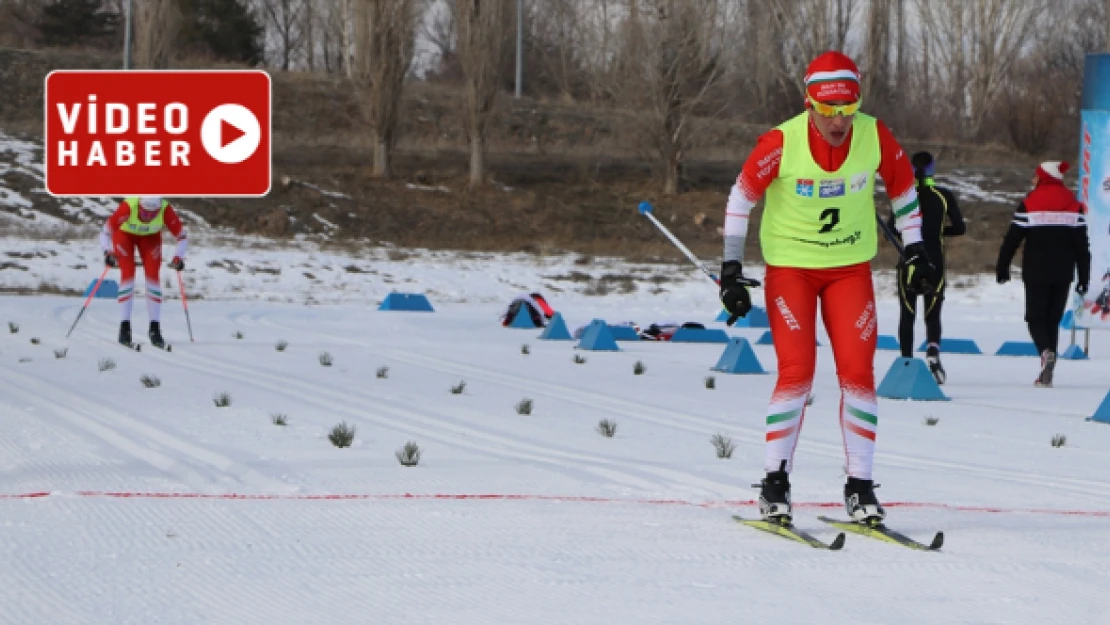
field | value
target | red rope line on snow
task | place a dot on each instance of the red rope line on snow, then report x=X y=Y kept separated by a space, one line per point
x=95 y=494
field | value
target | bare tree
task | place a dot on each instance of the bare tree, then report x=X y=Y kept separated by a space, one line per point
x=671 y=61
x=309 y=29
x=332 y=28
x=556 y=46
x=285 y=22
x=482 y=28
x=156 y=25
x=976 y=45
x=385 y=33
x=875 y=60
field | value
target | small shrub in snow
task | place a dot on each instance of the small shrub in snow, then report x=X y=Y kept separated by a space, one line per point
x=281 y=345
x=710 y=382
x=409 y=455
x=524 y=349
x=931 y=421
x=607 y=428
x=1059 y=440
x=150 y=381
x=383 y=372
x=524 y=406
x=25 y=359
x=222 y=400
x=342 y=435
x=35 y=340
x=13 y=327
x=279 y=418
x=579 y=359
x=106 y=364
x=238 y=334
x=61 y=353
x=723 y=445
x=458 y=388
x=325 y=359
x=638 y=368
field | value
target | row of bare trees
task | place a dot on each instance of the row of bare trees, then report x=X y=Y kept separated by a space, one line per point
x=969 y=71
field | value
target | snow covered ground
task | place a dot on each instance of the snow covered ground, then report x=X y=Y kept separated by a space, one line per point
x=126 y=504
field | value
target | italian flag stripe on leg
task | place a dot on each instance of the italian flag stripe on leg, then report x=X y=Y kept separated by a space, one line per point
x=860 y=422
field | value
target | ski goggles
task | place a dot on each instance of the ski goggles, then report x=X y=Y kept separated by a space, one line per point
x=832 y=110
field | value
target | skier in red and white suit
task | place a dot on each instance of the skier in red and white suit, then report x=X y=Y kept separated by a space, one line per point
x=137 y=225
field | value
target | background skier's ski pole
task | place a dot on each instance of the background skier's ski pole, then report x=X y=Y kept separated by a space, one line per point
x=646 y=210
x=88 y=299
x=185 y=303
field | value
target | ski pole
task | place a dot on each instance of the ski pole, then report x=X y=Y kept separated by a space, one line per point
x=889 y=234
x=185 y=303
x=646 y=210
x=890 y=237
x=88 y=299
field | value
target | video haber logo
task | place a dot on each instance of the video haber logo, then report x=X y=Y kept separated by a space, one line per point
x=169 y=133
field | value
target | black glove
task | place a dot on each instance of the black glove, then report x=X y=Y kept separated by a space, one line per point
x=177 y=263
x=110 y=259
x=1081 y=288
x=734 y=290
x=1002 y=274
x=921 y=275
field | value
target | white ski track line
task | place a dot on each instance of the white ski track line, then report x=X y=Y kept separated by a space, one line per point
x=667 y=417
x=171 y=466
x=649 y=413
x=435 y=425
x=111 y=423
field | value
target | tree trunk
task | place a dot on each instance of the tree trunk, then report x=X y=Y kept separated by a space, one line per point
x=477 y=158
x=381 y=160
x=670 y=177
x=310 y=28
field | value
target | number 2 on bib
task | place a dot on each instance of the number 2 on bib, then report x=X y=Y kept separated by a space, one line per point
x=833 y=217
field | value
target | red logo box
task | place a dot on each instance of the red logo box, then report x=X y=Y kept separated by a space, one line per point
x=171 y=133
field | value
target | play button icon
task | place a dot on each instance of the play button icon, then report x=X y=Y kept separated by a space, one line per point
x=230 y=133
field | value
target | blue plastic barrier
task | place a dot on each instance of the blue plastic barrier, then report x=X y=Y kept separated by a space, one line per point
x=954 y=346
x=1017 y=348
x=416 y=302
x=598 y=338
x=556 y=330
x=738 y=357
x=909 y=378
x=697 y=335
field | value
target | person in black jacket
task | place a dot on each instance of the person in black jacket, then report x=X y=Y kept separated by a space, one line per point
x=1053 y=225
x=940 y=218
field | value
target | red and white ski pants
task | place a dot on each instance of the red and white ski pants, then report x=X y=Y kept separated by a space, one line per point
x=847 y=300
x=149 y=247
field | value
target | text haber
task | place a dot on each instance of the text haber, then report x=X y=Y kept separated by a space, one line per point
x=115 y=118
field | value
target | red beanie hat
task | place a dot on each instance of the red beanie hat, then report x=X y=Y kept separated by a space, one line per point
x=831 y=77
x=1052 y=170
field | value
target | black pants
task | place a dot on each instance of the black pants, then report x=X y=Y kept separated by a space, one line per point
x=933 y=303
x=1044 y=308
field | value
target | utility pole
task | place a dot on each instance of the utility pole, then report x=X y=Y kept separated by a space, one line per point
x=520 y=45
x=127 y=34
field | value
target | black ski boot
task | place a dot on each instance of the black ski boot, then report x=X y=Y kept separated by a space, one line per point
x=125 y=333
x=156 y=335
x=1048 y=363
x=932 y=357
x=860 y=501
x=774 y=496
